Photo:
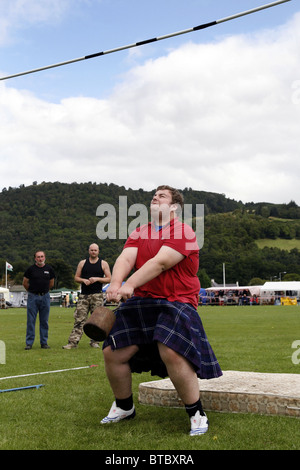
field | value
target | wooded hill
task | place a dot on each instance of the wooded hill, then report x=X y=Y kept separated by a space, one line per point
x=61 y=219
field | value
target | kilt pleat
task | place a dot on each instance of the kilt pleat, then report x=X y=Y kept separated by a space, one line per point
x=146 y=321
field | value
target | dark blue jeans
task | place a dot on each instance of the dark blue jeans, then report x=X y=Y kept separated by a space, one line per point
x=37 y=304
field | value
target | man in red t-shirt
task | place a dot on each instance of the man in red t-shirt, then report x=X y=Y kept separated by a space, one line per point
x=157 y=326
x=178 y=283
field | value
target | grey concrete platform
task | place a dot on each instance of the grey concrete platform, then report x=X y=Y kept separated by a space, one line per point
x=234 y=392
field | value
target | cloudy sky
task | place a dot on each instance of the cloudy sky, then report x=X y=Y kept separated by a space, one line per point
x=215 y=110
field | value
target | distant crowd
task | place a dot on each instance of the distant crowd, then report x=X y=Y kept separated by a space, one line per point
x=232 y=297
x=244 y=297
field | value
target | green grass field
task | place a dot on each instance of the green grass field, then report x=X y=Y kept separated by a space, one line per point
x=281 y=243
x=65 y=413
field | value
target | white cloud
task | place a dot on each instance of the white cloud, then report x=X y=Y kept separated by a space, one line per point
x=219 y=117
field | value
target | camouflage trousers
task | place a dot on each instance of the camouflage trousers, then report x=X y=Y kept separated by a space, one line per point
x=86 y=304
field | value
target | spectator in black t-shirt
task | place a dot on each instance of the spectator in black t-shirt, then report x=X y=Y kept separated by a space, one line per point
x=38 y=280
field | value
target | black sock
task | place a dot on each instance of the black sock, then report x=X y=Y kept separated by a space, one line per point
x=192 y=409
x=125 y=404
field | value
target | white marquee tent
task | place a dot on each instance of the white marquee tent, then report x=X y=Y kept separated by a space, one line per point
x=4 y=293
x=289 y=286
x=277 y=290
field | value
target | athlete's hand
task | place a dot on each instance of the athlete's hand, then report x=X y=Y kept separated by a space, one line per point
x=117 y=293
x=125 y=292
x=112 y=292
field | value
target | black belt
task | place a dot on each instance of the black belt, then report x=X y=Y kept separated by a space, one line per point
x=39 y=293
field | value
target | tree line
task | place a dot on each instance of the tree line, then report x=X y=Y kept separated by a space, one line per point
x=62 y=219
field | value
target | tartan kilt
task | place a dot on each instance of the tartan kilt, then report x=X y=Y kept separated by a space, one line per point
x=143 y=321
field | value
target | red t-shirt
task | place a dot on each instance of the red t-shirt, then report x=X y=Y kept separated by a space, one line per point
x=179 y=283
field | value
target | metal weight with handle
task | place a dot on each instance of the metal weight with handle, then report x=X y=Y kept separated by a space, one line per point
x=100 y=323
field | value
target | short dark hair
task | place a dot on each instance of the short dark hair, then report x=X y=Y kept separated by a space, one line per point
x=177 y=197
x=38 y=251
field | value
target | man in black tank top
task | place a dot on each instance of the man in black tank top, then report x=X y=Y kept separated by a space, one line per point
x=91 y=273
